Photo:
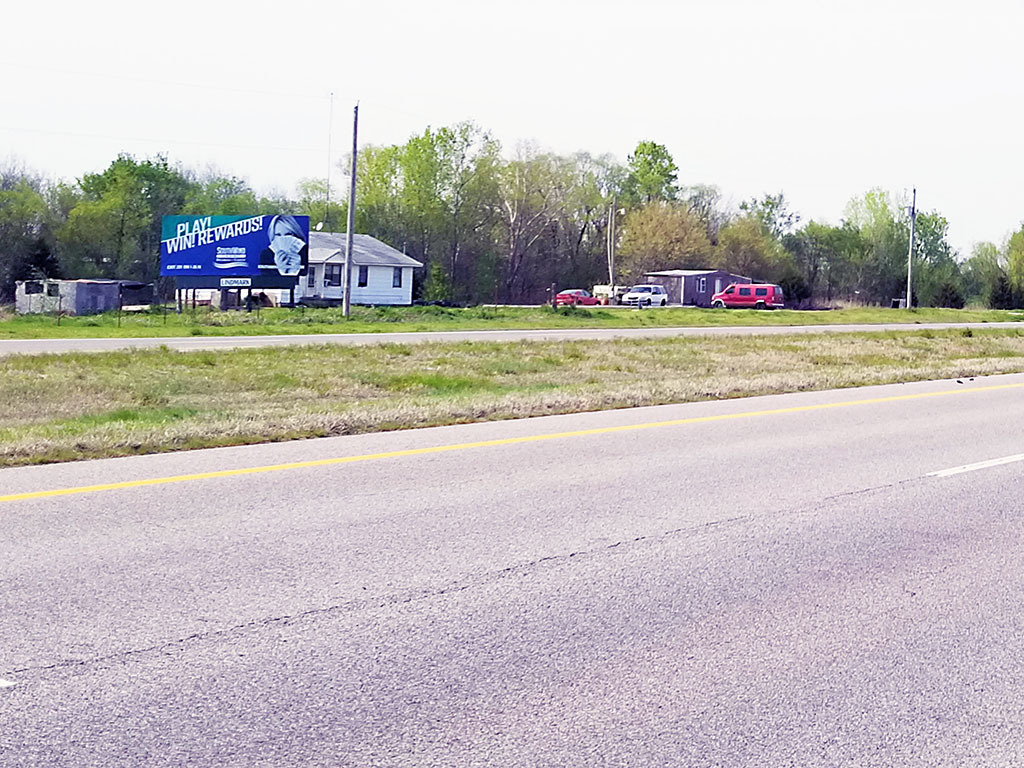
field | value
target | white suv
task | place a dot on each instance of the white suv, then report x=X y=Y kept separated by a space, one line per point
x=646 y=296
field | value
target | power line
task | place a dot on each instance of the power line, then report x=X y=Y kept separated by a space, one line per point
x=104 y=136
x=317 y=96
x=5 y=65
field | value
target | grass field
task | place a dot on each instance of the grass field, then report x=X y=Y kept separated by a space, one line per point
x=74 y=406
x=204 y=322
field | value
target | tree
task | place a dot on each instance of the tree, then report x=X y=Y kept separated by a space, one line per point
x=435 y=198
x=588 y=187
x=982 y=271
x=745 y=248
x=527 y=196
x=652 y=175
x=216 y=195
x=313 y=202
x=420 y=195
x=948 y=293
x=378 y=181
x=878 y=272
x=816 y=257
x=663 y=236
x=937 y=271
x=23 y=232
x=1001 y=293
x=773 y=213
x=470 y=159
x=1015 y=264
x=439 y=286
x=114 y=230
x=705 y=202
x=105 y=231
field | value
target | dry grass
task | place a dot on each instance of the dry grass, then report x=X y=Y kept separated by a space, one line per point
x=65 y=407
x=206 y=322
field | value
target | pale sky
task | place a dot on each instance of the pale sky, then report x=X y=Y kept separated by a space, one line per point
x=820 y=100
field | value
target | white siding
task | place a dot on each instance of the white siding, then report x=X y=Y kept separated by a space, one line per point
x=378 y=289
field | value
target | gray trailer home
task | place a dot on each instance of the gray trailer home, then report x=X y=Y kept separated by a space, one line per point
x=78 y=297
x=694 y=287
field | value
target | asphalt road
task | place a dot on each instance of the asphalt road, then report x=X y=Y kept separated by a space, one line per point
x=43 y=346
x=776 y=581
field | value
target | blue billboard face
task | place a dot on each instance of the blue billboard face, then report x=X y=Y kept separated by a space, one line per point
x=235 y=246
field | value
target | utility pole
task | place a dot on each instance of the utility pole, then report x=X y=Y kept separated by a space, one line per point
x=611 y=248
x=330 y=124
x=910 y=252
x=347 y=304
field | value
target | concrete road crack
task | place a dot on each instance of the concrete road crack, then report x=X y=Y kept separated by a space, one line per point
x=409 y=596
x=371 y=603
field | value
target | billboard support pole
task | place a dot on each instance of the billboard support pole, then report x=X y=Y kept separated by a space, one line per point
x=347 y=302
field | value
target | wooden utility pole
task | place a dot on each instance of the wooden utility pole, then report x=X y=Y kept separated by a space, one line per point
x=910 y=252
x=347 y=304
x=330 y=125
x=611 y=248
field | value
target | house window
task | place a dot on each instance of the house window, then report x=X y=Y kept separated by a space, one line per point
x=718 y=285
x=363 y=274
x=53 y=289
x=332 y=275
x=396 y=278
x=311 y=278
x=33 y=287
x=702 y=285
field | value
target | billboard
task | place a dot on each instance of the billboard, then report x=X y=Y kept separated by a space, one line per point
x=235 y=251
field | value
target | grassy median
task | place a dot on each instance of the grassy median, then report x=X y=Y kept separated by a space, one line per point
x=75 y=406
x=206 y=322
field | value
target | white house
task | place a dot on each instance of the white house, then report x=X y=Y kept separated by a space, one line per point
x=380 y=274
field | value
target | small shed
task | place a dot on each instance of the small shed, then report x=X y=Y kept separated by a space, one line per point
x=380 y=274
x=79 y=297
x=693 y=286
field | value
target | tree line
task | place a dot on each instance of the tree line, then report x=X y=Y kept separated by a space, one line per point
x=491 y=227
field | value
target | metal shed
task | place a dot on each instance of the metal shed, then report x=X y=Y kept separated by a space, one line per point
x=693 y=286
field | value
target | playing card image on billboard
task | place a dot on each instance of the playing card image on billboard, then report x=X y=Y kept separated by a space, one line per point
x=272 y=249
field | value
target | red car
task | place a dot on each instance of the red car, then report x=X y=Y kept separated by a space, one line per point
x=752 y=296
x=574 y=297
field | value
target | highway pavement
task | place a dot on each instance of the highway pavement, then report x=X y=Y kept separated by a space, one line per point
x=815 y=579
x=189 y=343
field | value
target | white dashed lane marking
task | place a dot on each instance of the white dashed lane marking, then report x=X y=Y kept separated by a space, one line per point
x=978 y=465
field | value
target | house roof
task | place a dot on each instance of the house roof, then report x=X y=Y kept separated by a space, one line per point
x=682 y=272
x=692 y=272
x=87 y=281
x=330 y=246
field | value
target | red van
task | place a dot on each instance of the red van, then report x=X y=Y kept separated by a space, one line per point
x=751 y=296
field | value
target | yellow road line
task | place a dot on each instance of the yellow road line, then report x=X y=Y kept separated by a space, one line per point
x=489 y=443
